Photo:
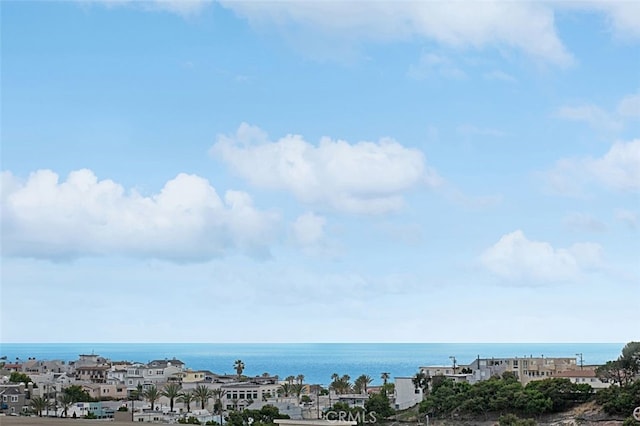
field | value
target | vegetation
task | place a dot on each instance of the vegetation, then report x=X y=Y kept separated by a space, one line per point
x=66 y=400
x=623 y=395
x=264 y=416
x=218 y=407
x=340 y=384
x=77 y=394
x=171 y=391
x=152 y=395
x=361 y=384
x=421 y=381
x=504 y=395
x=379 y=404
x=202 y=394
x=238 y=365
x=16 y=377
x=187 y=398
x=38 y=404
x=513 y=420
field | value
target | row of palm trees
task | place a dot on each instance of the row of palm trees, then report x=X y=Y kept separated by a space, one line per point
x=174 y=392
x=342 y=384
x=40 y=403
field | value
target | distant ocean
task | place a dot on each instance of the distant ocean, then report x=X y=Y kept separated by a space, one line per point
x=317 y=361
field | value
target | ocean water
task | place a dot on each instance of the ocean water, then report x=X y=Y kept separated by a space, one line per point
x=317 y=361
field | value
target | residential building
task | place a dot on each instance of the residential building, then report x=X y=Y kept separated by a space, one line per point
x=586 y=375
x=13 y=398
x=92 y=374
x=406 y=395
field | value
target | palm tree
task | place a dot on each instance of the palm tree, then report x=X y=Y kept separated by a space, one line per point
x=238 y=365
x=297 y=389
x=218 y=394
x=421 y=381
x=187 y=398
x=361 y=383
x=66 y=401
x=139 y=392
x=38 y=404
x=171 y=391
x=385 y=378
x=285 y=389
x=300 y=378
x=152 y=395
x=202 y=394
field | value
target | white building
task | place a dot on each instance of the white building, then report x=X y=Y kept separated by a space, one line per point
x=406 y=395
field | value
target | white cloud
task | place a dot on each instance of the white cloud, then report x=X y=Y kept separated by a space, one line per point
x=518 y=259
x=628 y=217
x=623 y=16
x=183 y=8
x=526 y=26
x=308 y=229
x=618 y=169
x=431 y=64
x=185 y=221
x=628 y=108
x=365 y=177
x=584 y=222
x=594 y=116
x=500 y=76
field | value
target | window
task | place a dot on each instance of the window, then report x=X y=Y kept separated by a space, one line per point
x=515 y=363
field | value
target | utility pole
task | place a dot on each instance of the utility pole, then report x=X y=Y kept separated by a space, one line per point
x=453 y=358
x=581 y=361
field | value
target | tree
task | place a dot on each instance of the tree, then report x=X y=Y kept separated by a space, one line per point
x=385 y=378
x=171 y=391
x=284 y=390
x=379 y=405
x=17 y=377
x=300 y=378
x=186 y=397
x=38 y=404
x=296 y=389
x=202 y=394
x=238 y=365
x=217 y=395
x=631 y=358
x=342 y=384
x=77 y=394
x=152 y=395
x=361 y=383
x=66 y=401
x=421 y=382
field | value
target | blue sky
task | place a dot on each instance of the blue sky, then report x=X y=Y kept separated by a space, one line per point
x=196 y=171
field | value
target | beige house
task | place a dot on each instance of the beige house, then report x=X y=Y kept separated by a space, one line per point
x=587 y=375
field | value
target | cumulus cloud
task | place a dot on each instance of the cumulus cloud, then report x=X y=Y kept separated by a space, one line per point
x=365 y=177
x=526 y=26
x=618 y=169
x=187 y=220
x=517 y=259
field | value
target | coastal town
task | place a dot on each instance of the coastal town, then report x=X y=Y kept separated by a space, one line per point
x=168 y=391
